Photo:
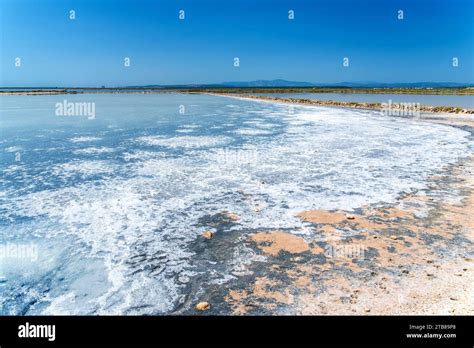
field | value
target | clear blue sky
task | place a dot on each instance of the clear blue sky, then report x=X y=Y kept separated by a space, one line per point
x=90 y=50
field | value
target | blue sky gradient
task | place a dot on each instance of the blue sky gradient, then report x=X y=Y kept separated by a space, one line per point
x=90 y=50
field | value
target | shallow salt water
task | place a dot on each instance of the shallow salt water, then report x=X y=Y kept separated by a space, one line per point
x=112 y=204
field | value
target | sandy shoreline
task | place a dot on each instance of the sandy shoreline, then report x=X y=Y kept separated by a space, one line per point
x=413 y=257
x=411 y=264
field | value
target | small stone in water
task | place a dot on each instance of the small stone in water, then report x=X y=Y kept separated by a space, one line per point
x=208 y=234
x=202 y=306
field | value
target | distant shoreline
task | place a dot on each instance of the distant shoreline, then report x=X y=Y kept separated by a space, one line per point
x=461 y=91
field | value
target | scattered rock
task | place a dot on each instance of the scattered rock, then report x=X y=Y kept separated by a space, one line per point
x=394 y=237
x=350 y=217
x=367 y=310
x=430 y=274
x=203 y=306
x=208 y=234
x=453 y=298
x=405 y=271
x=458 y=274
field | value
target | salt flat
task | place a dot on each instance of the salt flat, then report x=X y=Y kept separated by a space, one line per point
x=117 y=205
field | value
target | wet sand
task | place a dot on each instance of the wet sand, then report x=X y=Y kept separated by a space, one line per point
x=412 y=257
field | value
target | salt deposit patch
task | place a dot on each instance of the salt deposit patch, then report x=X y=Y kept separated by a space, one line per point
x=252 y=131
x=13 y=149
x=186 y=142
x=83 y=139
x=184 y=130
x=86 y=168
x=93 y=150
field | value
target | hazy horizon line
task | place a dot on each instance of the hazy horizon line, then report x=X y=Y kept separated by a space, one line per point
x=349 y=84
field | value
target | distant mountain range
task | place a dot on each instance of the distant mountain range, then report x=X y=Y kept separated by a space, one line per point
x=281 y=84
x=269 y=83
x=286 y=83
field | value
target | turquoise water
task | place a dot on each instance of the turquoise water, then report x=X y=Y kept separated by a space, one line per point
x=114 y=204
x=464 y=101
